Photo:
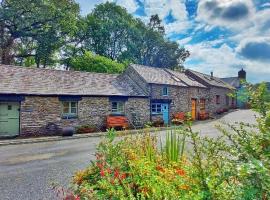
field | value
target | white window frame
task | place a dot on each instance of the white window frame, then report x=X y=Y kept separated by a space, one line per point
x=120 y=107
x=69 y=114
x=154 y=108
x=165 y=88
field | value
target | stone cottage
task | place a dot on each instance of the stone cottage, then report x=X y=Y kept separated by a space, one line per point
x=220 y=92
x=171 y=92
x=40 y=101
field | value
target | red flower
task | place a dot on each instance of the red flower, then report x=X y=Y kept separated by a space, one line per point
x=123 y=176
x=77 y=198
x=102 y=173
x=116 y=173
x=180 y=172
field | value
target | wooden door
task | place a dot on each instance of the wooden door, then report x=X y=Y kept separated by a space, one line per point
x=9 y=119
x=165 y=112
x=193 y=109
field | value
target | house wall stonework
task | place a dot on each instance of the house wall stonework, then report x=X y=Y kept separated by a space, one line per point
x=42 y=115
x=222 y=92
x=181 y=98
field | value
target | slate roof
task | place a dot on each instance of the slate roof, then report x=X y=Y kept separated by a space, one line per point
x=22 y=80
x=165 y=76
x=186 y=79
x=212 y=81
x=233 y=81
x=156 y=75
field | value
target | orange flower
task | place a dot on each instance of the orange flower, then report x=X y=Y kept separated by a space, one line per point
x=180 y=172
x=161 y=169
x=184 y=187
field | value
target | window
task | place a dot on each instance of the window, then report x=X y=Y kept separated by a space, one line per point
x=156 y=108
x=202 y=104
x=165 y=91
x=118 y=107
x=217 y=99
x=69 y=109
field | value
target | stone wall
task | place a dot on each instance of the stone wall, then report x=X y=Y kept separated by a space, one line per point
x=42 y=115
x=137 y=111
x=181 y=98
x=222 y=92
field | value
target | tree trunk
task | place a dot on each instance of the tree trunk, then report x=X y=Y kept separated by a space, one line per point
x=6 y=55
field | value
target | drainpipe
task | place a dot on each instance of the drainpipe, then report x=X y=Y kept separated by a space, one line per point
x=150 y=101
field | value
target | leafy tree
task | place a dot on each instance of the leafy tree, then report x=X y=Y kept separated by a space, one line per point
x=95 y=63
x=109 y=28
x=114 y=33
x=46 y=24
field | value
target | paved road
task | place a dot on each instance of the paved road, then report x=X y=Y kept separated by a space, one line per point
x=27 y=171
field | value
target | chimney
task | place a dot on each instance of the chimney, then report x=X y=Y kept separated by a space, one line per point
x=242 y=74
x=212 y=74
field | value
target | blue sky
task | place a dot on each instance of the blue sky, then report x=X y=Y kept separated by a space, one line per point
x=223 y=36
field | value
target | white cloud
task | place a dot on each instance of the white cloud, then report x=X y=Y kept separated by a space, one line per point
x=130 y=5
x=163 y=8
x=224 y=62
x=233 y=14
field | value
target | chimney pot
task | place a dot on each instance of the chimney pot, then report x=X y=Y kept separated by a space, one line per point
x=212 y=74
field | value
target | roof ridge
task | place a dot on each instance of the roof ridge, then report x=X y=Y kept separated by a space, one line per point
x=56 y=70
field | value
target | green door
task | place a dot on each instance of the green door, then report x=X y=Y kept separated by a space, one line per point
x=9 y=119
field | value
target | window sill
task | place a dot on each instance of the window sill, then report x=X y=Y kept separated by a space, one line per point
x=69 y=117
x=156 y=113
x=117 y=114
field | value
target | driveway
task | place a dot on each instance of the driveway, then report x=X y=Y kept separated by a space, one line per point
x=27 y=171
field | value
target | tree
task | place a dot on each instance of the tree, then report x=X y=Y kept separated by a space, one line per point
x=114 y=33
x=94 y=63
x=47 y=24
x=109 y=29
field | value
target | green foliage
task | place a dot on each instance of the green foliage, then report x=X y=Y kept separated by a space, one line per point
x=174 y=145
x=44 y=24
x=114 y=33
x=95 y=63
x=259 y=98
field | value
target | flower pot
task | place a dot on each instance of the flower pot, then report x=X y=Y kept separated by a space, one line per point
x=68 y=131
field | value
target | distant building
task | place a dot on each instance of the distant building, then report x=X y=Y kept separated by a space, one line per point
x=241 y=93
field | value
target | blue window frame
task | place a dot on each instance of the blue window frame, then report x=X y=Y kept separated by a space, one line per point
x=165 y=91
x=156 y=108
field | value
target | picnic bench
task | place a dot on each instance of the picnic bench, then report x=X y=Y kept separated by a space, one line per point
x=117 y=121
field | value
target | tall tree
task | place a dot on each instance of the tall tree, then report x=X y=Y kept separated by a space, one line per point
x=109 y=27
x=114 y=33
x=47 y=23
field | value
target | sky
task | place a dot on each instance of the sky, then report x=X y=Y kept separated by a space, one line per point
x=222 y=36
